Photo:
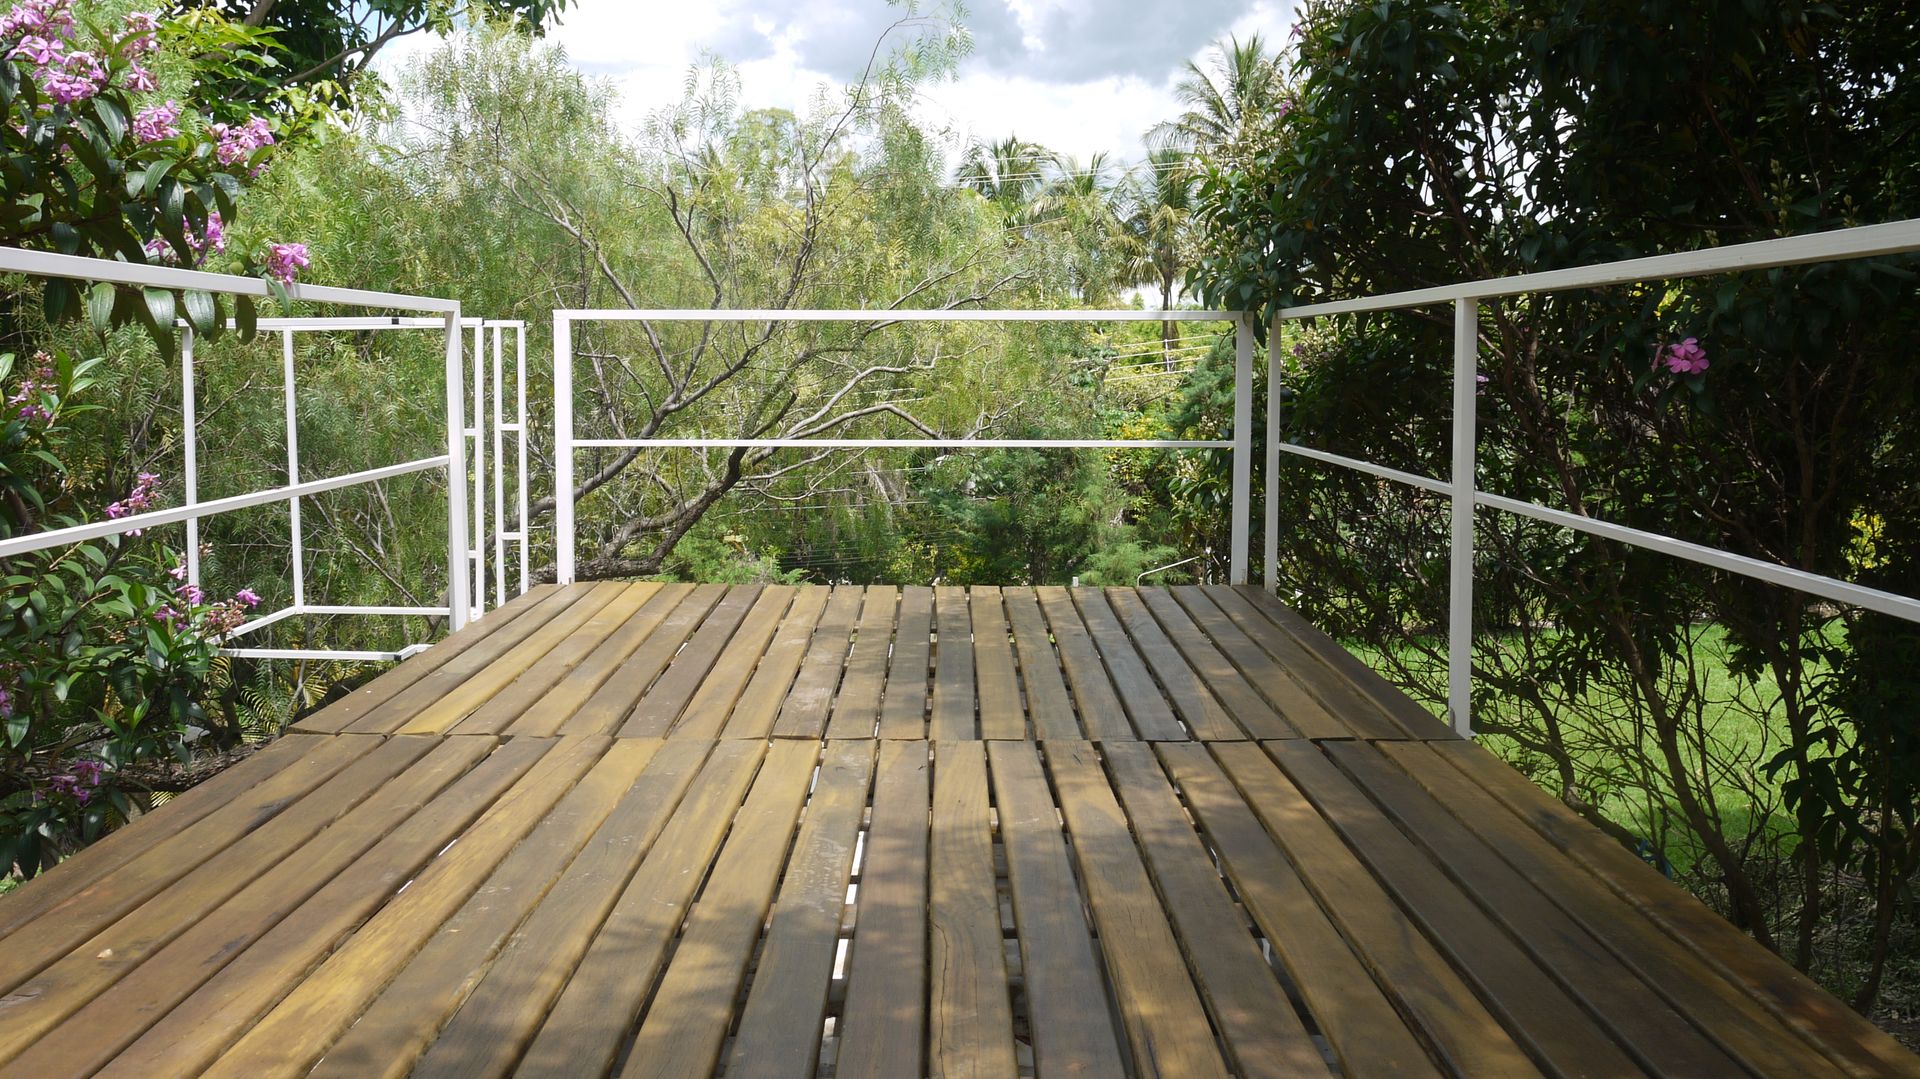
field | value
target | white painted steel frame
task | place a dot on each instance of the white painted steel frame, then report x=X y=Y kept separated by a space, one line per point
x=78 y=268
x=1892 y=238
x=501 y=427
x=565 y=442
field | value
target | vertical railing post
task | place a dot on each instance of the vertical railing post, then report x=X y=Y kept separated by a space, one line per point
x=1242 y=447
x=499 y=476
x=190 y=452
x=563 y=569
x=1270 y=523
x=1466 y=350
x=524 y=530
x=478 y=506
x=293 y=472
x=458 y=607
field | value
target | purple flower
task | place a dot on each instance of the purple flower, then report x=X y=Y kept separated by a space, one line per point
x=192 y=594
x=237 y=142
x=26 y=401
x=139 y=500
x=141 y=80
x=248 y=597
x=285 y=261
x=1685 y=358
x=38 y=17
x=179 y=572
x=157 y=122
x=39 y=51
x=141 y=29
x=214 y=240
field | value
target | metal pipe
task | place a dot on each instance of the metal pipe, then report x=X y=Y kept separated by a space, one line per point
x=563 y=444
x=457 y=601
x=190 y=453
x=1466 y=356
x=293 y=472
x=1241 y=507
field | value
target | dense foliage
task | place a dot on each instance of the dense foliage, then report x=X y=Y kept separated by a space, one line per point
x=1771 y=413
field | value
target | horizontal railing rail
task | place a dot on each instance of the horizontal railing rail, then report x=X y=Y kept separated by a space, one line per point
x=566 y=440
x=444 y=317
x=1893 y=238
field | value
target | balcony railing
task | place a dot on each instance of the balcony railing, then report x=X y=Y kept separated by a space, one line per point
x=466 y=464
x=465 y=530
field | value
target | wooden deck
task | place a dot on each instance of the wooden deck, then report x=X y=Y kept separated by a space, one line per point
x=671 y=830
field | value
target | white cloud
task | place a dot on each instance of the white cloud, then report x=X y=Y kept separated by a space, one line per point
x=1079 y=76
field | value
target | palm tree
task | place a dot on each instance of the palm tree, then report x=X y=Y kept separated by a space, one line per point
x=1240 y=81
x=1160 y=205
x=1087 y=202
x=1009 y=172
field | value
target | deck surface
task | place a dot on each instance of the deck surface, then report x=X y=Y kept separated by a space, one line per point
x=666 y=830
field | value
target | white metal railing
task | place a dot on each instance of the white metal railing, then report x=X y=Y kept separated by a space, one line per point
x=1889 y=239
x=445 y=316
x=475 y=549
x=566 y=442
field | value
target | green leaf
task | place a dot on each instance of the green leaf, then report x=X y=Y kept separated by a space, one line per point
x=100 y=306
x=246 y=318
x=201 y=310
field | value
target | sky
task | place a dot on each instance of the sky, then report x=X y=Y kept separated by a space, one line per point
x=1077 y=76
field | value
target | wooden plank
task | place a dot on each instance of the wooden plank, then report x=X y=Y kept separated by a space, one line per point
x=1791 y=997
x=457 y=702
x=126 y=843
x=1245 y=703
x=554 y=712
x=663 y=676
x=600 y=935
x=1001 y=712
x=537 y=684
x=1275 y=683
x=355 y=705
x=450 y=912
x=1724 y=1010
x=722 y=678
x=803 y=713
x=1348 y=706
x=1357 y=1019
x=1465 y=1035
x=1539 y=1011
x=683 y=1030
x=1139 y=694
x=1406 y=714
x=856 y=711
x=1073 y=1029
x=970 y=1014
x=222 y=839
x=1162 y=1014
x=753 y=714
x=490 y=807
x=1101 y=712
x=1659 y=1036
x=903 y=710
x=1246 y=1001
x=881 y=1023
x=786 y=1009
x=1047 y=699
x=1193 y=699
x=953 y=701
x=157 y=979
x=451 y=670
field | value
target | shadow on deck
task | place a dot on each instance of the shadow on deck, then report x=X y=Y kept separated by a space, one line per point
x=668 y=830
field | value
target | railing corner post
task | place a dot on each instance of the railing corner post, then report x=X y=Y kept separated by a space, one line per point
x=458 y=567
x=563 y=567
x=1242 y=447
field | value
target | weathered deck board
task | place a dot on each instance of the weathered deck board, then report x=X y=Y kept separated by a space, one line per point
x=1156 y=832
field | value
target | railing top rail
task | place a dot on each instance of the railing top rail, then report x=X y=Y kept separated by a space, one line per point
x=1867 y=241
x=700 y=314
x=373 y=322
x=82 y=268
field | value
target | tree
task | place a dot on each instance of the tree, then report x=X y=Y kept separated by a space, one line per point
x=1160 y=210
x=332 y=42
x=1010 y=173
x=1240 y=85
x=1758 y=412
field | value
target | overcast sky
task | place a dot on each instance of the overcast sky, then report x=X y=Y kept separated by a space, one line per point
x=1078 y=76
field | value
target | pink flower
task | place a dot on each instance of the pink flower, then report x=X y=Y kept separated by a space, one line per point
x=38 y=51
x=26 y=401
x=38 y=17
x=141 y=28
x=285 y=261
x=179 y=572
x=214 y=240
x=1685 y=358
x=248 y=597
x=192 y=594
x=157 y=122
x=139 y=500
x=140 y=80
x=237 y=142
